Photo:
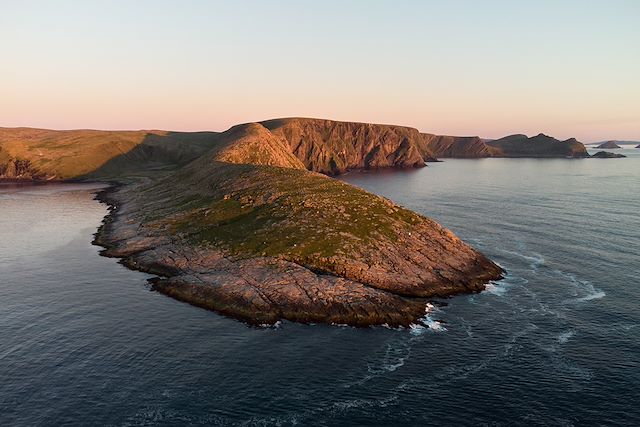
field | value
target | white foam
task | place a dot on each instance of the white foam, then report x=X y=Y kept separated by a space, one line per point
x=434 y=325
x=428 y=322
x=597 y=294
x=416 y=329
x=565 y=336
x=535 y=259
x=495 y=289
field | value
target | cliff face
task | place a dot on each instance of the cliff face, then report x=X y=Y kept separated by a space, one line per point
x=537 y=146
x=333 y=147
x=324 y=146
x=458 y=147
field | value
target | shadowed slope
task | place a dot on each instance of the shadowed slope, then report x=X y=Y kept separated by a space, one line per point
x=48 y=154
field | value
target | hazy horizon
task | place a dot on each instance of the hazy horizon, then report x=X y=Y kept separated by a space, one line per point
x=491 y=69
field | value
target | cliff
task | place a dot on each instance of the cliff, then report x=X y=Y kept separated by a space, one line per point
x=458 y=147
x=333 y=147
x=325 y=146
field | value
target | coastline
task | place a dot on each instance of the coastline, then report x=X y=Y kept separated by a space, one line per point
x=212 y=279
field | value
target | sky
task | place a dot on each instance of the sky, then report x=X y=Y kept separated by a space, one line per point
x=489 y=68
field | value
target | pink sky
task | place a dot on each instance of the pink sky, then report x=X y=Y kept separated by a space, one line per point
x=475 y=70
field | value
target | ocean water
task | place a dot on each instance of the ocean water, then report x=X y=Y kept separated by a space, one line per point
x=83 y=341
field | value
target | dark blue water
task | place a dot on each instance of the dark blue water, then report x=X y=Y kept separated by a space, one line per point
x=83 y=341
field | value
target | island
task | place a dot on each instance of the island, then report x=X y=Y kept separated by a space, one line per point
x=249 y=223
x=607 y=155
x=611 y=145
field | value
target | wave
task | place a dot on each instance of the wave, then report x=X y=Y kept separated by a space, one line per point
x=428 y=323
x=596 y=294
x=495 y=289
x=501 y=287
x=581 y=287
x=565 y=336
x=534 y=259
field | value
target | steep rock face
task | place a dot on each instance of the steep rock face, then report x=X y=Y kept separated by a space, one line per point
x=458 y=147
x=537 y=146
x=611 y=145
x=332 y=147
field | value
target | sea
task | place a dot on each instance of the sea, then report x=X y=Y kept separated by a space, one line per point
x=85 y=342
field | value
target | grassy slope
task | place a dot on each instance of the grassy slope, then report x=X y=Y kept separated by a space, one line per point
x=76 y=153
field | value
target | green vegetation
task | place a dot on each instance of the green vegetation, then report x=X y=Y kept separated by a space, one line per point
x=97 y=154
x=270 y=211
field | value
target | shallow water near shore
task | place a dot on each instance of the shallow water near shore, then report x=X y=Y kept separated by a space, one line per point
x=84 y=341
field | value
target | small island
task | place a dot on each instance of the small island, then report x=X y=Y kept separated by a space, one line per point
x=610 y=145
x=607 y=155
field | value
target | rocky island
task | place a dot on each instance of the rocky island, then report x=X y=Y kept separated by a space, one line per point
x=248 y=222
x=611 y=145
x=607 y=155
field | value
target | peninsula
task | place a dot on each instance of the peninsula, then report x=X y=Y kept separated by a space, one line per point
x=247 y=222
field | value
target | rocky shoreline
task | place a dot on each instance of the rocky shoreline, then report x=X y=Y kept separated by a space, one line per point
x=258 y=290
x=248 y=223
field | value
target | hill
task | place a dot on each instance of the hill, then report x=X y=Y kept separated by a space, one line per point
x=39 y=154
x=609 y=145
x=537 y=146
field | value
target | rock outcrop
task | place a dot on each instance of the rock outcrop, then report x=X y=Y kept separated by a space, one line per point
x=611 y=145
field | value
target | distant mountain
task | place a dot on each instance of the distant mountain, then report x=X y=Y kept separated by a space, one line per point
x=620 y=143
x=611 y=145
x=540 y=145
